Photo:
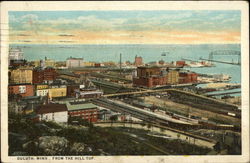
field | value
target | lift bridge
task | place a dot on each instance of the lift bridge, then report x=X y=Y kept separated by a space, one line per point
x=224 y=52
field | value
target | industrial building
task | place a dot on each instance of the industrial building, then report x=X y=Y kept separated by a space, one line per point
x=87 y=111
x=74 y=62
x=57 y=92
x=21 y=75
x=21 y=89
x=44 y=75
x=150 y=77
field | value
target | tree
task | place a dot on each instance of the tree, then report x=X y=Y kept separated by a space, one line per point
x=113 y=118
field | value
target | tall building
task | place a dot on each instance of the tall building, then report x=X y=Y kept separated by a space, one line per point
x=149 y=77
x=173 y=77
x=74 y=62
x=138 y=61
x=41 y=75
x=15 y=54
x=16 y=57
x=21 y=75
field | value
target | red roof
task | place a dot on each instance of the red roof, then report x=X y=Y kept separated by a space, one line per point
x=51 y=108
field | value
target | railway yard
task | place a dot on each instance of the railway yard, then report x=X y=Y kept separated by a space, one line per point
x=174 y=109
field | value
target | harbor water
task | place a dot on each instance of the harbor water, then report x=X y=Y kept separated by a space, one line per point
x=149 y=53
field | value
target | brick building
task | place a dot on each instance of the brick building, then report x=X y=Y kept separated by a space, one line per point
x=21 y=89
x=150 y=77
x=41 y=75
x=187 y=77
x=180 y=63
x=87 y=111
x=71 y=90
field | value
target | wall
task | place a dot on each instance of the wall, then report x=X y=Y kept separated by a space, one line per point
x=74 y=63
x=57 y=92
x=90 y=115
x=42 y=92
x=173 y=77
x=42 y=87
x=21 y=76
x=28 y=90
x=58 y=116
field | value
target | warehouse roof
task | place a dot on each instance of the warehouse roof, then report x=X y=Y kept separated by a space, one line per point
x=80 y=106
x=51 y=108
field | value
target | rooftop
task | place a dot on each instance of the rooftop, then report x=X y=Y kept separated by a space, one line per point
x=80 y=106
x=72 y=58
x=51 y=108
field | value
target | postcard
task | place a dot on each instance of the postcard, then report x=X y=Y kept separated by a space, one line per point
x=125 y=81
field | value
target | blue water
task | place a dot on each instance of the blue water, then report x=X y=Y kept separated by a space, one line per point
x=149 y=53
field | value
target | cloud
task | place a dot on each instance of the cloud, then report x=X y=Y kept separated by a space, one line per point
x=218 y=17
x=29 y=17
x=138 y=29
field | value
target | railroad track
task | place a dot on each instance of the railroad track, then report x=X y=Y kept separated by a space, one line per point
x=156 y=121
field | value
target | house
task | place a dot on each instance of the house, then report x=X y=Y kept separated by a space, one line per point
x=53 y=112
x=86 y=110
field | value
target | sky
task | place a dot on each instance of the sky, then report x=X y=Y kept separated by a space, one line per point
x=125 y=27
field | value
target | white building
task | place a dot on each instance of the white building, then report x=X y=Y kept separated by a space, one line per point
x=74 y=62
x=15 y=54
x=42 y=92
x=53 y=112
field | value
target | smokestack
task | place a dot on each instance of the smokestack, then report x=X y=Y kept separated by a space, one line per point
x=120 y=63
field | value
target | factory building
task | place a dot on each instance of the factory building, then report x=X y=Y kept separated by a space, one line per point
x=15 y=54
x=21 y=75
x=187 y=77
x=23 y=90
x=57 y=92
x=150 y=77
x=173 y=77
x=74 y=62
x=87 y=111
x=44 y=75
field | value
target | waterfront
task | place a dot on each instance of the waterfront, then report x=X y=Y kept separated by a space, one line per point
x=150 y=53
x=72 y=83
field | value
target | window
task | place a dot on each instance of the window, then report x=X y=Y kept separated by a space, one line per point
x=22 y=89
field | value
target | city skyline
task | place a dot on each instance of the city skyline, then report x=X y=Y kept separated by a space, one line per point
x=125 y=27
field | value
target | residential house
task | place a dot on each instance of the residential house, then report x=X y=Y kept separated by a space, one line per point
x=53 y=112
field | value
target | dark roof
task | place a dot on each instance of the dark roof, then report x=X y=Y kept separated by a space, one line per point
x=74 y=58
x=51 y=108
x=20 y=84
